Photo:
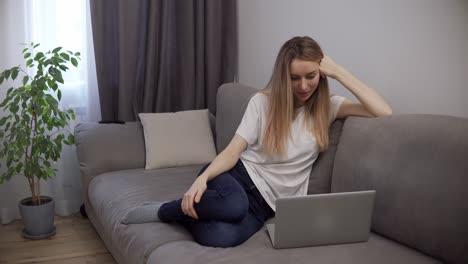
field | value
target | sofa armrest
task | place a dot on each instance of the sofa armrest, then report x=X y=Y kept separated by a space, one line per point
x=108 y=147
x=418 y=166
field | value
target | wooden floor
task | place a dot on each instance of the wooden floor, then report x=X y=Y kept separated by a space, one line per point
x=75 y=242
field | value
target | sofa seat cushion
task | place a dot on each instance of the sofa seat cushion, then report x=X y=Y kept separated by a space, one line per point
x=113 y=194
x=258 y=250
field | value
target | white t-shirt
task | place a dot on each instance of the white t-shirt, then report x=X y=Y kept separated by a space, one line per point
x=276 y=177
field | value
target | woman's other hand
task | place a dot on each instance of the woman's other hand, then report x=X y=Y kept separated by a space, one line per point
x=192 y=196
x=328 y=67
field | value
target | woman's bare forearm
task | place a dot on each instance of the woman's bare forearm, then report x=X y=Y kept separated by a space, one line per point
x=369 y=98
x=222 y=163
x=226 y=159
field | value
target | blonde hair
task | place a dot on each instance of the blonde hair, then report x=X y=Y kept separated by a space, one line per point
x=281 y=112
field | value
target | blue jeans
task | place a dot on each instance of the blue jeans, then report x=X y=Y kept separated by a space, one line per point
x=230 y=211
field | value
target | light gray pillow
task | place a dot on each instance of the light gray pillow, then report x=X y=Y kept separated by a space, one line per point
x=177 y=139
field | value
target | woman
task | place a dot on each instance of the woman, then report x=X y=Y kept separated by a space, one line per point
x=283 y=129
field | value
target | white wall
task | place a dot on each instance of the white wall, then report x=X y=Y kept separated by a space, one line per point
x=414 y=53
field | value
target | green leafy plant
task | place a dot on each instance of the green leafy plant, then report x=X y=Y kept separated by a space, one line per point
x=34 y=127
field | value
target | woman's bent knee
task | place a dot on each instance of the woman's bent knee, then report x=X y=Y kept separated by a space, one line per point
x=237 y=207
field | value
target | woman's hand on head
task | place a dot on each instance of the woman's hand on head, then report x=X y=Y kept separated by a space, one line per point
x=192 y=196
x=328 y=67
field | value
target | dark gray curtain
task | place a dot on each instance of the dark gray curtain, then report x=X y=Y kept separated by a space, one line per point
x=162 y=55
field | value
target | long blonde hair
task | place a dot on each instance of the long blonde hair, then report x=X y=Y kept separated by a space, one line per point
x=281 y=112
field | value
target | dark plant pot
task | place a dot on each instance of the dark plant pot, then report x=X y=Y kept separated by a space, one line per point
x=38 y=220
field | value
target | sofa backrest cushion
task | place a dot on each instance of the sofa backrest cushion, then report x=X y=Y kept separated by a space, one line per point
x=108 y=147
x=418 y=165
x=231 y=102
x=320 y=177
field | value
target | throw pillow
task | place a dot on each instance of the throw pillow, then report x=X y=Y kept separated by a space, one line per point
x=177 y=139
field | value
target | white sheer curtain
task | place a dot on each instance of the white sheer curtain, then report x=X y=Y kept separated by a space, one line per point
x=51 y=23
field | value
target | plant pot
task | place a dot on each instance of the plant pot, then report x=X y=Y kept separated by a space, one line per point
x=38 y=220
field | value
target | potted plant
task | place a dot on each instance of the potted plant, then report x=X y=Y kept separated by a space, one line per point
x=32 y=131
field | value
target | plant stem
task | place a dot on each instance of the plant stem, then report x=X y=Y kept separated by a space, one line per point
x=33 y=190
x=26 y=73
x=39 y=190
x=32 y=144
x=27 y=156
x=31 y=186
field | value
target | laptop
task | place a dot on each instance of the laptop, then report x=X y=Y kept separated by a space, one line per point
x=322 y=219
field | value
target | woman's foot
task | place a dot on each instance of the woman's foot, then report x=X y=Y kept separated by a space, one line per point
x=148 y=212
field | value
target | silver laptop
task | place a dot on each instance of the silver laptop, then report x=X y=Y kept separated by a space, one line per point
x=322 y=219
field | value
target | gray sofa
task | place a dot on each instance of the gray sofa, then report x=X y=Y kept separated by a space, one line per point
x=417 y=163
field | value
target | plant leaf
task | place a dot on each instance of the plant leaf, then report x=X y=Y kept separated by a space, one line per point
x=52 y=84
x=71 y=139
x=6 y=73
x=9 y=91
x=59 y=95
x=74 y=62
x=19 y=167
x=14 y=74
x=5 y=102
x=25 y=80
x=38 y=56
x=65 y=56
x=56 y=49
x=14 y=108
x=63 y=68
x=58 y=77
x=27 y=55
x=3 y=120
